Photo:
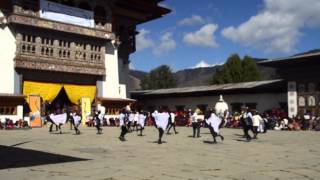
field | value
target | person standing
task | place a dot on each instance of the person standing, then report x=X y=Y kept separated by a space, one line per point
x=172 y=122
x=196 y=123
x=161 y=119
x=122 y=124
x=256 y=119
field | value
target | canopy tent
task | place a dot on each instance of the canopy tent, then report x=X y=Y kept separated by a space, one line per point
x=49 y=91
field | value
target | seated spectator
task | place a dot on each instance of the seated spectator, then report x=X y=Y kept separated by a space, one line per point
x=9 y=124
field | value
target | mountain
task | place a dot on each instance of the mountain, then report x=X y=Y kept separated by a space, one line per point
x=196 y=77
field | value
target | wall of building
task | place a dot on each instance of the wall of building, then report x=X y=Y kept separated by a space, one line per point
x=10 y=80
x=14 y=118
x=265 y=101
x=110 y=86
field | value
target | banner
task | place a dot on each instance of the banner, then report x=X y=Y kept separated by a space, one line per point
x=35 y=116
x=85 y=109
x=67 y=14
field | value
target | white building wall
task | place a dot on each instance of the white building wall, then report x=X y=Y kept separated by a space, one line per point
x=110 y=86
x=14 y=118
x=10 y=80
x=264 y=101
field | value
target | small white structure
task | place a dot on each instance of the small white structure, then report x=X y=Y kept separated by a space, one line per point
x=221 y=107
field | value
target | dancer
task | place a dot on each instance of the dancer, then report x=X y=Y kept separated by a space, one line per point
x=122 y=124
x=161 y=119
x=135 y=120
x=58 y=120
x=141 y=121
x=246 y=121
x=256 y=120
x=98 y=118
x=76 y=121
x=172 y=123
x=214 y=123
x=130 y=122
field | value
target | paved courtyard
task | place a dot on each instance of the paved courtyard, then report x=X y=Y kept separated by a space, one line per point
x=36 y=154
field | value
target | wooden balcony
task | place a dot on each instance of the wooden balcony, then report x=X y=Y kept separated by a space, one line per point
x=57 y=53
x=32 y=18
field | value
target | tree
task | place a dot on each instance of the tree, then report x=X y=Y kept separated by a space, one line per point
x=233 y=68
x=236 y=70
x=159 y=78
x=250 y=70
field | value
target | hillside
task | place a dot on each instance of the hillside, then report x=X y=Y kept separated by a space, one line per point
x=194 y=77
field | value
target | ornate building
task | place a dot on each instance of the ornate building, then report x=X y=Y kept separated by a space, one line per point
x=81 y=43
x=303 y=84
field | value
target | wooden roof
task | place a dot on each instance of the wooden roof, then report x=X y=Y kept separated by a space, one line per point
x=299 y=60
x=277 y=85
x=140 y=10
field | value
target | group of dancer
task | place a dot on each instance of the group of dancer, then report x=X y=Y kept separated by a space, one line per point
x=164 y=120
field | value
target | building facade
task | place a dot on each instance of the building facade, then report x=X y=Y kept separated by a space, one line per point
x=301 y=73
x=259 y=95
x=80 y=46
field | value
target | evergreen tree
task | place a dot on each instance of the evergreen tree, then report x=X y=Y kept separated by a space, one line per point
x=159 y=78
x=236 y=70
x=233 y=68
x=250 y=70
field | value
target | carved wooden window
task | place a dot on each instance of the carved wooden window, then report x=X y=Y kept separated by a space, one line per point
x=301 y=101
x=64 y=49
x=46 y=47
x=28 y=44
x=311 y=101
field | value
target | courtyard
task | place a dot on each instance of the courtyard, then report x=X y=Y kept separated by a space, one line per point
x=37 y=154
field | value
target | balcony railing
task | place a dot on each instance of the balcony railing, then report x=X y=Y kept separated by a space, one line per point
x=60 y=52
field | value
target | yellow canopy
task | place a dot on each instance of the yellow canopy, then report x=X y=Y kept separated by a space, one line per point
x=75 y=92
x=49 y=91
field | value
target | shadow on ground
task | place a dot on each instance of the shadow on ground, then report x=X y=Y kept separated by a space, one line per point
x=14 y=157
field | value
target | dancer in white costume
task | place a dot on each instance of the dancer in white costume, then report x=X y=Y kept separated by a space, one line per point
x=75 y=121
x=214 y=123
x=141 y=121
x=161 y=119
x=58 y=120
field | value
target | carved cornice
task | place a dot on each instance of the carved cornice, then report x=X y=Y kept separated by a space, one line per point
x=26 y=62
x=58 y=26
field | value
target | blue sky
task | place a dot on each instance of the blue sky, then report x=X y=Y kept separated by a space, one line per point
x=205 y=32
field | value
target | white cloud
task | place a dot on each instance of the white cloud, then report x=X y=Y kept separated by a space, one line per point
x=204 y=64
x=143 y=41
x=203 y=37
x=167 y=43
x=131 y=66
x=278 y=26
x=190 y=21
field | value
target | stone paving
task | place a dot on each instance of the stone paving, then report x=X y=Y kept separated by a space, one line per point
x=37 y=154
